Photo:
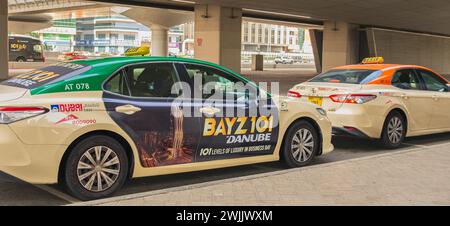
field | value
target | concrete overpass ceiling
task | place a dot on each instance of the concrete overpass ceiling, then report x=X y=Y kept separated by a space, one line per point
x=431 y=16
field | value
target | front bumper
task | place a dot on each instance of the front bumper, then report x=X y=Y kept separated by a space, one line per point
x=38 y=164
x=325 y=127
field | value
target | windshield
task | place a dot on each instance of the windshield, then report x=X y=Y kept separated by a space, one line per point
x=350 y=76
x=44 y=76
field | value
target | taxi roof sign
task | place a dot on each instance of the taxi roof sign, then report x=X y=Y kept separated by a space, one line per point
x=373 y=60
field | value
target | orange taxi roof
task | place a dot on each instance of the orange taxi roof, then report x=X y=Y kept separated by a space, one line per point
x=378 y=66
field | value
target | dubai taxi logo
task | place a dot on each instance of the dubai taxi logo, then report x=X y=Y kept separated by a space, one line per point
x=67 y=119
x=66 y=108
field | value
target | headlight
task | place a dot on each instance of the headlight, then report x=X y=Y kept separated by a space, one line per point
x=13 y=114
x=322 y=111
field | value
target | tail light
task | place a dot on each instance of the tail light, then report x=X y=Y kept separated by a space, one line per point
x=13 y=114
x=352 y=98
x=294 y=94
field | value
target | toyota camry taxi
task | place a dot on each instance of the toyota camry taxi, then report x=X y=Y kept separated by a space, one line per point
x=91 y=124
x=381 y=101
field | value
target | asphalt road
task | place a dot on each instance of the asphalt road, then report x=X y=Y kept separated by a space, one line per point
x=15 y=192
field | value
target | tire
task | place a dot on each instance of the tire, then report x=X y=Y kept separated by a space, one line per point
x=20 y=59
x=78 y=162
x=293 y=157
x=394 y=131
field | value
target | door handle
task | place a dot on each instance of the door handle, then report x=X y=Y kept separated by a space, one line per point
x=435 y=97
x=128 y=109
x=404 y=96
x=209 y=110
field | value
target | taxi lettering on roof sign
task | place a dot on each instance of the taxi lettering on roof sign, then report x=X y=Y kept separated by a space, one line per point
x=373 y=60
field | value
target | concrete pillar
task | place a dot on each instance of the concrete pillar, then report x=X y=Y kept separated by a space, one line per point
x=218 y=35
x=340 y=44
x=160 y=41
x=4 y=48
x=317 y=46
x=257 y=62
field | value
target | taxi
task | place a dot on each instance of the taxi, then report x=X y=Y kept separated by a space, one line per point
x=92 y=124
x=380 y=101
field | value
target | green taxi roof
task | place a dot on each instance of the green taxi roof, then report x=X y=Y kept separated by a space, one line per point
x=102 y=68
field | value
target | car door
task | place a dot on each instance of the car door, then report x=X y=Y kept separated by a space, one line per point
x=139 y=99
x=418 y=102
x=232 y=122
x=438 y=88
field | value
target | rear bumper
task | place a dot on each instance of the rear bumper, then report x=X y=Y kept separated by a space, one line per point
x=349 y=132
x=37 y=164
x=358 y=120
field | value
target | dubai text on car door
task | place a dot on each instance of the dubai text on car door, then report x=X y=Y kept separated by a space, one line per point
x=139 y=99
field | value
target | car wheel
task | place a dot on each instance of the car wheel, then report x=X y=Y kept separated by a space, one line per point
x=96 y=168
x=301 y=144
x=394 y=131
x=20 y=59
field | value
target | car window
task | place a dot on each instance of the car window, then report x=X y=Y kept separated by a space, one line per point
x=222 y=81
x=37 y=48
x=350 y=76
x=151 y=80
x=118 y=84
x=406 y=79
x=433 y=82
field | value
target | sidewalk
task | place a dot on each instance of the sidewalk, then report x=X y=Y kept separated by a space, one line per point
x=420 y=176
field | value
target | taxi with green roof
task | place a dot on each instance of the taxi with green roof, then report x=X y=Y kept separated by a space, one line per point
x=92 y=124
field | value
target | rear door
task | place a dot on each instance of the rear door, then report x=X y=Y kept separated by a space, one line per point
x=439 y=91
x=139 y=99
x=418 y=102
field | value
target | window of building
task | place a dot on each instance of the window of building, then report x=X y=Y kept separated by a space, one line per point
x=101 y=36
x=253 y=33
x=129 y=37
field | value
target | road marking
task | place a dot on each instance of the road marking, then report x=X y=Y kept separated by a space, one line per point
x=58 y=193
x=249 y=177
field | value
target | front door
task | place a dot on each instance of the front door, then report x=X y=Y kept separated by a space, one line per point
x=232 y=123
x=418 y=102
x=439 y=91
x=139 y=99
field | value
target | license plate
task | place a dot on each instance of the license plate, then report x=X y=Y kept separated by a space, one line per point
x=316 y=100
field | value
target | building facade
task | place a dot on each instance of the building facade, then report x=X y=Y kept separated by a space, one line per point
x=110 y=34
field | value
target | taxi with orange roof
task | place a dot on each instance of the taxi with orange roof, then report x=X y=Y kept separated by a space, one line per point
x=381 y=101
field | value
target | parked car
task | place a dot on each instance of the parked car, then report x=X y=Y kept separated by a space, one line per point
x=76 y=55
x=381 y=101
x=284 y=60
x=92 y=124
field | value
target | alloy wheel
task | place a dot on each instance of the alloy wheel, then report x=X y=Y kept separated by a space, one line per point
x=98 y=169
x=302 y=145
x=395 y=130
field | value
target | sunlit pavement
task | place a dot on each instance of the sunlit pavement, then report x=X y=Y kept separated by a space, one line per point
x=14 y=192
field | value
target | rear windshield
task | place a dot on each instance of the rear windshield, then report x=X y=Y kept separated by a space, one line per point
x=47 y=75
x=351 y=76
